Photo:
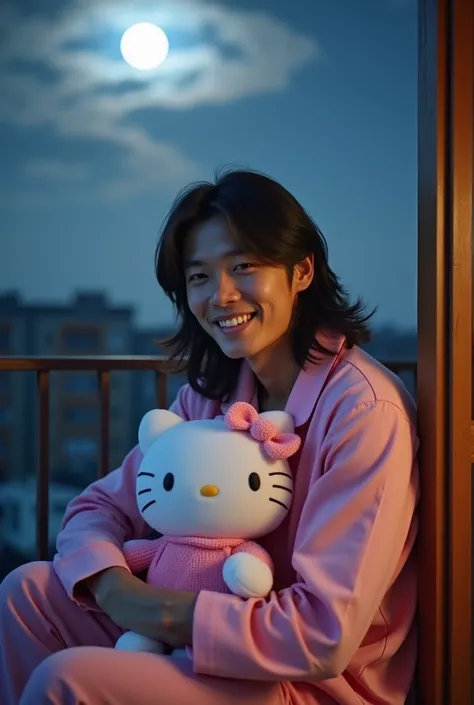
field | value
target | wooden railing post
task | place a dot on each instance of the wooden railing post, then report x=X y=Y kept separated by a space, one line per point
x=104 y=401
x=42 y=493
x=161 y=390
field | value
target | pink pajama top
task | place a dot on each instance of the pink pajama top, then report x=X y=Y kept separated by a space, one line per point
x=338 y=627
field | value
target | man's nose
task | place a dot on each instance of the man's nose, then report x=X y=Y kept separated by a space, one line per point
x=225 y=290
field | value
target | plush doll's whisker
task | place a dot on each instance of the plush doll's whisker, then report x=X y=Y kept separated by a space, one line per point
x=282 y=487
x=278 y=502
x=280 y=473
x=153 y=501
x=148 y=474
x=149 y=490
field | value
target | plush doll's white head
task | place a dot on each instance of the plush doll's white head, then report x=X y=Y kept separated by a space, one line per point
x=222 y=478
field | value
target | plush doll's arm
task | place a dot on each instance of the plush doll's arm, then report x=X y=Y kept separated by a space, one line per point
x=248 y=572
x=139 y=553
x=255 y=550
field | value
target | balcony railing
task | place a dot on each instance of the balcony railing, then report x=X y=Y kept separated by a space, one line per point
x=103 y=366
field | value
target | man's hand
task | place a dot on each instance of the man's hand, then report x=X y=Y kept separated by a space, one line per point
x=161 y=614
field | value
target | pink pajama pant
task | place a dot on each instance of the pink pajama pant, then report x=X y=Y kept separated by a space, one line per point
x=54 y=653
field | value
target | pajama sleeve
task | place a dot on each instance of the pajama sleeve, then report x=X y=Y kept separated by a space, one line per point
x=354 y=525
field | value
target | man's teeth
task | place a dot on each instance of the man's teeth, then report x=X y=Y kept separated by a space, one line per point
x=231 y=322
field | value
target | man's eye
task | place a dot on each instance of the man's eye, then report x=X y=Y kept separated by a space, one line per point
x=245 y=265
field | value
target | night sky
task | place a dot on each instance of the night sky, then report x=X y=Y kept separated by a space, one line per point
x=320 y=94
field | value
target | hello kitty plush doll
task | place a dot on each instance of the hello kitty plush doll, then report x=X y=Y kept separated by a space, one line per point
x=210 y=487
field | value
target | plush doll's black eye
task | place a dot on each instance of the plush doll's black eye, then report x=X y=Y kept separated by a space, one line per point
x=254 y=481
x=168 y=481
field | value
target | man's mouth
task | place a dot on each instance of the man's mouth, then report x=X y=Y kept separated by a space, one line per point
x=234 y=321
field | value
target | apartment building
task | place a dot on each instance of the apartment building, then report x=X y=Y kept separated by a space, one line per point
x=89 y=325
x=13 y=388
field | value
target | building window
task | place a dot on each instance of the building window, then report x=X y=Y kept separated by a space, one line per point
x=4 y=473
x=81 y=414
x=6 y=412
x=79 y=383
x=5 y=443
x=115 y=342
x=57 y=506
x=115 y=413
x=5 y=384
x=80 y=446
x=149 y=388
x=81 y=340
x=80 y=452
x=5 y=339
x=11 y=517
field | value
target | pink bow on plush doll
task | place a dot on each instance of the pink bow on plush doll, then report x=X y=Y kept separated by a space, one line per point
x=209 y=488
x=276 y=444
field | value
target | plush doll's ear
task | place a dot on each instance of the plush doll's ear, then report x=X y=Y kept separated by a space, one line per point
x=153 y=424
x=282 y=421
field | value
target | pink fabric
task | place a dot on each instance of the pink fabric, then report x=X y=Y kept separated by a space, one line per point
x=279 y=446
x=65 y=656
x=339 y=625
x=188 y=563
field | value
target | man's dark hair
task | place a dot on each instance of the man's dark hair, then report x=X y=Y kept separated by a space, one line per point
x=268 y=223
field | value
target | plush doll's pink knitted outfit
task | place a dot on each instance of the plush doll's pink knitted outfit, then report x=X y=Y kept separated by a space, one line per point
x=188 y=563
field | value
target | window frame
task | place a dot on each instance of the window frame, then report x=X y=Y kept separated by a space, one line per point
x=445 y=184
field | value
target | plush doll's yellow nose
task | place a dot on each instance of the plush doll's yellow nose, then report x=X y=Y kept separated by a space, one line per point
x=209 y=491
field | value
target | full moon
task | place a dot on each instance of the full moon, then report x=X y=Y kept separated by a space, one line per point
x=144 y=46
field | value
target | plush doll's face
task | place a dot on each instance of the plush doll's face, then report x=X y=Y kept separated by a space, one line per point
x=199 y=478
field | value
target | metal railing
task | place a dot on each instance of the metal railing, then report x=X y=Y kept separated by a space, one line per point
x=103 y=366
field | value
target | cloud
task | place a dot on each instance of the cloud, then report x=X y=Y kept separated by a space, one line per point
x=55 y=170
x=66 y=73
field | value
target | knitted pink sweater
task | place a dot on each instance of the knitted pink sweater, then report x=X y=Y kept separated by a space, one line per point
x=187 y=562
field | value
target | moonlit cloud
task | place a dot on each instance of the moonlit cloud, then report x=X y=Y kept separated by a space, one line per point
x=66 y=74
x=54 y=170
